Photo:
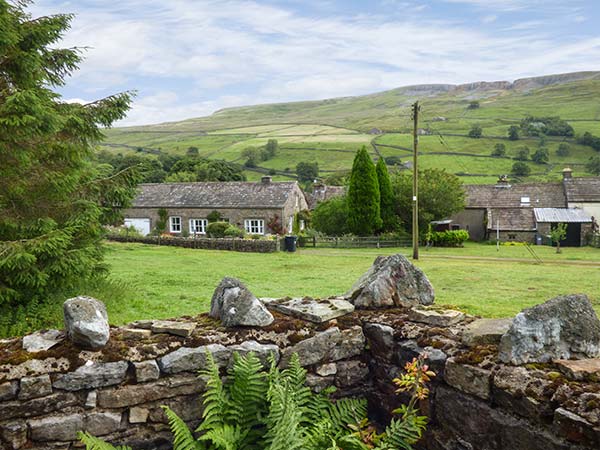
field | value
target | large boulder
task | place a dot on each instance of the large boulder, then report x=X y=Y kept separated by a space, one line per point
x=391 y=281
x=564 y=327
x=86 y=322
x=235 y=305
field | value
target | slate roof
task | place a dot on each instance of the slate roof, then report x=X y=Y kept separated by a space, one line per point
x=322 y=193
x=214 y=195
x=561 y=215
x=511 y=219
x=541 y=195
x=583 y=189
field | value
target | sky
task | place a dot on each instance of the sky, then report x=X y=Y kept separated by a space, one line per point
x=189 y=58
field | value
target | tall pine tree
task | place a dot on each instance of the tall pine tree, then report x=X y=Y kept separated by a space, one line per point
x=53 y=200
x=363 y=196
x=386 y=197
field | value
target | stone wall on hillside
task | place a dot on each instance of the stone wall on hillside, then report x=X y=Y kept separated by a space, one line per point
x=50 y=388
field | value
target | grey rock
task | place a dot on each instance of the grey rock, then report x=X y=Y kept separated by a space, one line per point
x=235 y=305
x=42 y=340
x=14 y=434
x=101 y=423
x=136 y=394
x=138 y=415
x=350 y=373
x=86 y=322
x=579 y=369
x=381 y=339
x=183 y=329
x=38 y=406
x=434 y=317
x=143 y=324
x=262 y=351
x=187 y=359
x=146 y=371
x=352 y=343
x=33 y=387
x=436 y=359
x=318 y=383
x=575 y=428
x=391 y=281
x=313 y=350
x=485 y=331
x=56 y=428
x=8 y=390
x=564 y=327
x=91 y=400
x=135 y=333
x=469 y=379
x=325 y=370
x=92 y=375
x=313 y=310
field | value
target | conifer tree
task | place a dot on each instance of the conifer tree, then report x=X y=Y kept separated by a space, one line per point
x=363 y=196
x=53 y=200
x=386 y=196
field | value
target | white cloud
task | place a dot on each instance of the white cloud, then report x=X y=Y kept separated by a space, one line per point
x=188 y=58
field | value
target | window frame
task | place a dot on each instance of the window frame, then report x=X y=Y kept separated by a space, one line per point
x=203 y=227
x=258 y=228
x=171 y=223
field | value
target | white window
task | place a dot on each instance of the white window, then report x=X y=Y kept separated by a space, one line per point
x=291 y=225
x=175 y=224
x=525 y=201
x=198 y=226
x=254 y=226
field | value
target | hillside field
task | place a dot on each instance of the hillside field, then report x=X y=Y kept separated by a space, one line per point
x=330 y=131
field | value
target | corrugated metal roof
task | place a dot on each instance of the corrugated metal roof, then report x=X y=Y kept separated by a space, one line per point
x=565 y=215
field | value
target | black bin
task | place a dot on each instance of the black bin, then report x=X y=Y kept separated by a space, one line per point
x=289 y=243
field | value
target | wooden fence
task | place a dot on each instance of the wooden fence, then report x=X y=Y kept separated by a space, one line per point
x=352 y=242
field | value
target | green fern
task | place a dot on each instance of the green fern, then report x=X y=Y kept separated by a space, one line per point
x=215 y=398
x=182 y=436
x=225 y=437
x=404 y=432
x=283 y=422
x=94 y=443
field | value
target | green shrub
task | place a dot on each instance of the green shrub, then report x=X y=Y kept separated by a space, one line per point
x=233 y=232
x=454 y=238
x=217 y=229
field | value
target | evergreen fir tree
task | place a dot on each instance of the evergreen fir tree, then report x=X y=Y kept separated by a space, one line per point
x=363 y=196
x=386 y=196
x=53 y=200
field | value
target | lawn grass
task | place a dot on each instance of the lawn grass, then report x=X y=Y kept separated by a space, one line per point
x=151 y=282
x=168 y=282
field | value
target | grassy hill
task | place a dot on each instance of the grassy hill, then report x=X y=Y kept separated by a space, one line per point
x=330 y=131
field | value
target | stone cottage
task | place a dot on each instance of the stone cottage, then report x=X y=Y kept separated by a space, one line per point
x=253 y=207
x=526 y=211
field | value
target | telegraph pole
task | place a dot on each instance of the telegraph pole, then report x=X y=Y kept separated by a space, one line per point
x=415 y=213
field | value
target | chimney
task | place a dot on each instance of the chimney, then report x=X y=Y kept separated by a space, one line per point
x=502 y=182
x=567 y=173
x=266 y=179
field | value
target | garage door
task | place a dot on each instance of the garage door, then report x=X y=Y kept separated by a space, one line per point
x=142 y=225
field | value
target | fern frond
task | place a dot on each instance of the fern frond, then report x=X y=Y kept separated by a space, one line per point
x=225 y=437
x=283 y=421
x=94 y=443
x=344 y=412
x=215 y=398
x=403 y=433
x=182 y=436
x=247 y=392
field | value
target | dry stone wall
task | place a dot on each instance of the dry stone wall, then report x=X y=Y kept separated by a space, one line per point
x=56 y=388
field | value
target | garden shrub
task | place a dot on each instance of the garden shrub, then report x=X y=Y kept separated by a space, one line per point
x=217 y=229
x=233 y=232
x=454 y=238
